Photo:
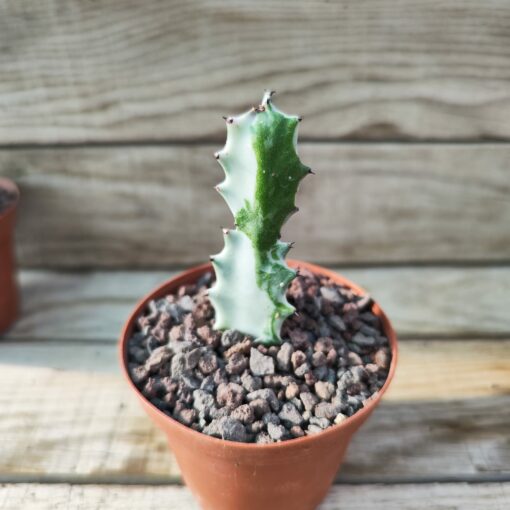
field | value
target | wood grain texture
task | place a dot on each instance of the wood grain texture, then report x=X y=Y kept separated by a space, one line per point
x=125 y=207
x=421 y=302
x=458 y=496
x=75 y=71
x=67 y=413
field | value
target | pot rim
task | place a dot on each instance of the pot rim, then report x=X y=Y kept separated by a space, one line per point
x=9 y=185
x=359 y=416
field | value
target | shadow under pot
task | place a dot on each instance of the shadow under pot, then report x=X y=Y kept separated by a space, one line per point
x=9 y=298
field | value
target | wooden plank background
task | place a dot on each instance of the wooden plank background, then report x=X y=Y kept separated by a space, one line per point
x=422 y=302
x=156 y=206
x=110 y=112
x=125 y=70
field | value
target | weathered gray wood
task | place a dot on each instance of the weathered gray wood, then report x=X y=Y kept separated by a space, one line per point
x=458 y=496
x=428 y=302
x=77 y=71
x=152 y=207
x=67 y=413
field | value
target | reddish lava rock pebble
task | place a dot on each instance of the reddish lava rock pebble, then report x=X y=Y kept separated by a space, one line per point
x=334 y=358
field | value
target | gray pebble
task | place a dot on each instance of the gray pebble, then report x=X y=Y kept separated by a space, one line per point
x=283 y=356
x=363 y=340
x=266 y=394
x=369 y=331
x=340 y=418
x=290 y=415
x=260 y=407
x=229 y=337
x=251 y=383
x=228 y=429
x=176 y=333
x=230 y=395
x=319 y=359
x=208 y=384
x=291 y=391
x=157 y=359
x=326 y=410
x=330 y=294
x=359 y=374
x=372 y=368
x=186 y=303
x=313 y=429
x=297 y=358
x=323 y=423
x=185 y=416
x=297 y=404
x=336 y=322
x=324 y=390
x=174 y=310
x=270 y=418
x=180 y=346
x=208 y=362
x=203 y=402
x=255 y=427
x=382 y=358
x=260 y=364
x=178 y=365
x=139 y=374
x=244 y=413
x=237 y=364
x=221 y=412
x=192 y=357
x=345 y=381
x=301 y=370
x=276 y=432
x=309 y=400
x=263 y=438
x=189 y=381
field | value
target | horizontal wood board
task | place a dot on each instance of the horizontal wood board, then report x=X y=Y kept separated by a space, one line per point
x=146 y=207
x=67 y=414
x=423 y=302
x=74 y=71
x=458 y=496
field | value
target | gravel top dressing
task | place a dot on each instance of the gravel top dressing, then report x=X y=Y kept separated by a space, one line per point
x=334 y=358
x=6 y=199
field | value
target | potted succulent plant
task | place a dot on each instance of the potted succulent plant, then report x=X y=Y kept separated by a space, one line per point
x=259 y=375
x=9 y=196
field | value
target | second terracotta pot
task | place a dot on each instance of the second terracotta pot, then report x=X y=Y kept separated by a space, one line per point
x=224 y=475
x=9 y=303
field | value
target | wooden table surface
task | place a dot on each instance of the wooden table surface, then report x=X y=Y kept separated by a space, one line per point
x=72 y=434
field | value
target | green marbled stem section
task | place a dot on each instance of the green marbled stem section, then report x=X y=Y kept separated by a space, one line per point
x=263 y=172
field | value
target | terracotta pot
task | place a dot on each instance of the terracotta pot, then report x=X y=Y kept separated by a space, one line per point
x=224 y=475
x=8 y=289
